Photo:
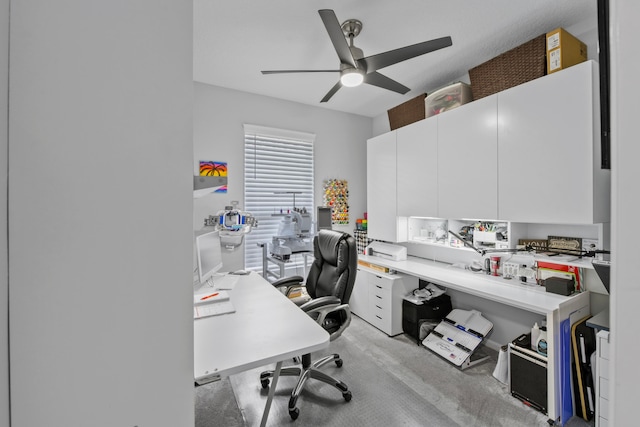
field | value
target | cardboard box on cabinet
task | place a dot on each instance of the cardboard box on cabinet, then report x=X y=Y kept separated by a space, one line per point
x=564 y=50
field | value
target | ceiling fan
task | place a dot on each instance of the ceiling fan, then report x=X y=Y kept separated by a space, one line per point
x=355 y=68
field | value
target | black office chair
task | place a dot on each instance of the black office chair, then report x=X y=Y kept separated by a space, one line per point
x=329 y=284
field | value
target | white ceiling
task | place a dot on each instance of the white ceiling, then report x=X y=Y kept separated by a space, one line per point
x=235 y=40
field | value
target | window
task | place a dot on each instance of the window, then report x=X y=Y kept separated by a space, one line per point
x=278 y=175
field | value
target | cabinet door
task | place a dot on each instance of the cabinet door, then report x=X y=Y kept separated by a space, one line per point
x=468 y=160
x=417 y=169
x=546 y=148
x=359 y=300
x=381 y=187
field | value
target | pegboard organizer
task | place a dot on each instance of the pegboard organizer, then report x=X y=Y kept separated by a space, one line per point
x=336 y=195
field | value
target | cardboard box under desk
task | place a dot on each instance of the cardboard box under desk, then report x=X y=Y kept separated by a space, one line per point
x=563 y=50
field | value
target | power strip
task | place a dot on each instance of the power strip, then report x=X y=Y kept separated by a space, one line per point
x=510 y=269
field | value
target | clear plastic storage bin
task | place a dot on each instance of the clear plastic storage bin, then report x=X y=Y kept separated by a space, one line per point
x=447 y=98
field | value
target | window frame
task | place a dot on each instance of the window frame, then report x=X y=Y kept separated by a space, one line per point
x=278 y=176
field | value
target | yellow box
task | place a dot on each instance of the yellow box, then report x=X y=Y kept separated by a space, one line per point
x=373 y=266
x=563 y=50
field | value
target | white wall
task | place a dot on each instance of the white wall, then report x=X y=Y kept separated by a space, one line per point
x=339 y=148
x=100 y=212
x=625 y=295
x=4 y=280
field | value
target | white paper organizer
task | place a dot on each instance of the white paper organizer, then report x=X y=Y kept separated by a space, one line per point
x=458 y=336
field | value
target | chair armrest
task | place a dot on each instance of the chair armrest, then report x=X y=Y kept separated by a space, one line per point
x=287 y=284
x=317 y=303
x=288 y=281
x=319 y=308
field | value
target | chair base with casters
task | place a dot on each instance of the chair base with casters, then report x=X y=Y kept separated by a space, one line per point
x=329 y=285
x=304 y=372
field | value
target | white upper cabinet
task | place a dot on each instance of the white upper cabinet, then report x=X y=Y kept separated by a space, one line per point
x=382 y=221
x=549 y=150
x=468 y=160
x=417 y=168
x=529 y=154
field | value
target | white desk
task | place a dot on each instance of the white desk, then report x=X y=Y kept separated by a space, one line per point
x=265 y=328
x=556 y=308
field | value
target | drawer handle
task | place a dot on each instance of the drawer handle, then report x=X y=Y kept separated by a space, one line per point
x=378 y=317
x=379 y=307
x=378 y=296
x=379 y=287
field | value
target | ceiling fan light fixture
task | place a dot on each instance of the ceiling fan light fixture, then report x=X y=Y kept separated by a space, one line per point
x=352 y=77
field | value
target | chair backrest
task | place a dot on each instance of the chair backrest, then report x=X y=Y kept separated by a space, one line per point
x=333 y=271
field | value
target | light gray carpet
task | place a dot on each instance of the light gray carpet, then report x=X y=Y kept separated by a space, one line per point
x=216 y=405
x=394 y=382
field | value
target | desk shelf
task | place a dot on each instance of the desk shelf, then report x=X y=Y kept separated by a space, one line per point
x=434 y=232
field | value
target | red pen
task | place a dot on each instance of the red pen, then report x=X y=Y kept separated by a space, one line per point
x=209 y=296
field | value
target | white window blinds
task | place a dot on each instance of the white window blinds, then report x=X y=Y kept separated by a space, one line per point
x=278 y=167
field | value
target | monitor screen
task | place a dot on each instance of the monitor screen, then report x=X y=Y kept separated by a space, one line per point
x=208 y=254
x=324 y=218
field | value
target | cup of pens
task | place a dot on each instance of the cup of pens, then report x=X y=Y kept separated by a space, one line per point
x=495 y=265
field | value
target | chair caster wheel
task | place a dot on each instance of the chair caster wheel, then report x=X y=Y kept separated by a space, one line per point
x=264 y=383
x=347 y=396
x=293 y=413
x=339 y=363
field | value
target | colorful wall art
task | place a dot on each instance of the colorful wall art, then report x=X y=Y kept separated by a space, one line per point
x=217 y=169
x=336 y=195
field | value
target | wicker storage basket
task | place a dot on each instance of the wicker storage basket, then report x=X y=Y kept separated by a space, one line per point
x=407 y=112
x=516 y=66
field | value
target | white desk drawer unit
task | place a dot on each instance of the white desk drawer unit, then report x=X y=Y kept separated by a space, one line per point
x=602 y=379
x=377 y=298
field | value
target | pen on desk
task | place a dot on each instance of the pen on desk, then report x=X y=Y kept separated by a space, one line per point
x=209 y=296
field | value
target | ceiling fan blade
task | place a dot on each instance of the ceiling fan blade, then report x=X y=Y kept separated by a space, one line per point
x=298 y=71
x=377 y=79
x=337 y=36
x=381 y=60
x=332 y=92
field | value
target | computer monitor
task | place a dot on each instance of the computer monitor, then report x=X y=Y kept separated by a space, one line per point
x=324 y=218
x=208 y=254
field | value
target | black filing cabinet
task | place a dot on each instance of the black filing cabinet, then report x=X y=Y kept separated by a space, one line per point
x=414 y=314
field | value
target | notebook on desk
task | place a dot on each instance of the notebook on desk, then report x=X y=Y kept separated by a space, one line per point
x=210 y=296
x=211 y=303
